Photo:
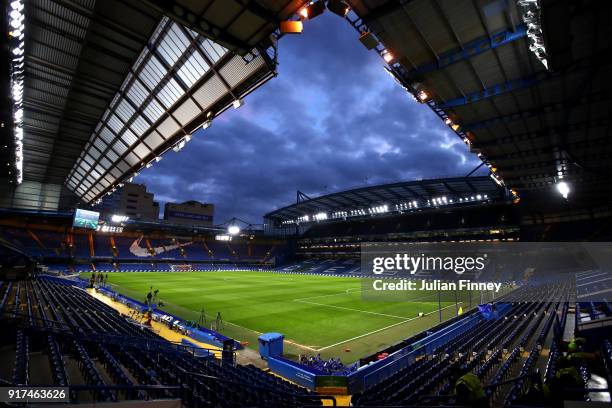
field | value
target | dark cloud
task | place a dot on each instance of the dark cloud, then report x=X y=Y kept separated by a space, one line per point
x=332 y=119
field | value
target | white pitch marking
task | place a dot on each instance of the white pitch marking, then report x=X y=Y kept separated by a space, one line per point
x=258 y=332
x=379 y=330
x=354 y=290
x=348 y=308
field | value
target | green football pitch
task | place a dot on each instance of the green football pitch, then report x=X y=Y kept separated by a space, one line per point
x=317 y=314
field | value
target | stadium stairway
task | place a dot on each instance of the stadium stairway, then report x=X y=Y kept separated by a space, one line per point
x=324 y=267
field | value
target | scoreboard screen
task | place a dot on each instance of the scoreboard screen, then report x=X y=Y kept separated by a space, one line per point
x=86 y=219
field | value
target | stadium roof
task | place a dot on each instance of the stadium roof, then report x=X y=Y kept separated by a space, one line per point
x=482 y=67
x=111 y=85
x=396 y=197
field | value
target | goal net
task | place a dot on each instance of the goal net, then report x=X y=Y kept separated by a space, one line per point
x=180 y=267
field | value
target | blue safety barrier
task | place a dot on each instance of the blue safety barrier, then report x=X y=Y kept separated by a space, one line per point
x=292 y=371
x=197 y=350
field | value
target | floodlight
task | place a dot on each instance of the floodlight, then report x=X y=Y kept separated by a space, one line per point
x=388 y=57
x=119 y=218
x=563 y=188
x=17 y=5
x=16 y=24
x=291 y=27
x=338 y=7
x=207 y=124
x=497 y=180
x=233 y=230
x=422 y=95
x=237 y=103
x=312 y=10
x=320 y=216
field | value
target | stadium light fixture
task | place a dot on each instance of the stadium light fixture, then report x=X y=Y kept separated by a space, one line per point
x=388 y=57
x=291 y=27
x=312 y=10
x=532 y=18
x=233 y=230
x=338 y=7
x=563 y=189
x=320 y=216
x=237 y=103
x=179 y=146
x=207 y=124
x=422 y=95
x=119 y=218
x=17 y=46
x=496 y=179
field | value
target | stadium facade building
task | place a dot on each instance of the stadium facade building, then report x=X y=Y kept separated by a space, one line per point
x=190 y=213
x=390 y=205
x=131 y=200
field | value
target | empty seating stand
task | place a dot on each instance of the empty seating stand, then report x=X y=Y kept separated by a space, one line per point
x=107 y=357
x=494 y=350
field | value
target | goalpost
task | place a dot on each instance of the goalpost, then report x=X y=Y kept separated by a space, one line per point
x=181 y=267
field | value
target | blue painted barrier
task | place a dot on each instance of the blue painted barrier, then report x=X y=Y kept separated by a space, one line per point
x=293 y=371
x=197 y=350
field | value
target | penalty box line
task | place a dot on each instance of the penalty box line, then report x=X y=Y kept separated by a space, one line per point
x=381 y=329
x=351 y=309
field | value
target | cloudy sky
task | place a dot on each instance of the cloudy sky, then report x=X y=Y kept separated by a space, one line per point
x=333 y=119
